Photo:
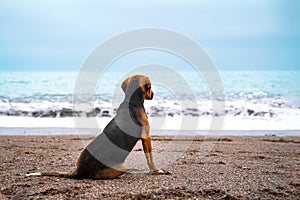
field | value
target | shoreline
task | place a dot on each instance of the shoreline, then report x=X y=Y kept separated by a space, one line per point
x=201 y=123
x=234 y=167
x=60 y=131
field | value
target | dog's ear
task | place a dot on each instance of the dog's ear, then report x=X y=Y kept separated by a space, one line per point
x=125 y=83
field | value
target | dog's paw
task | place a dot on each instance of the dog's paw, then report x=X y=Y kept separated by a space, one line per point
x=160 y=172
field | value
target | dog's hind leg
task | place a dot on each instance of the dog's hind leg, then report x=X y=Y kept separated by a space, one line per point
x=111 y=172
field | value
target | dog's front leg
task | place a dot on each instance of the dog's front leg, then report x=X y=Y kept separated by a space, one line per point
x=148 y=152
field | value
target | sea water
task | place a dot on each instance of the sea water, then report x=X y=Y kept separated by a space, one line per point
x=254 y=100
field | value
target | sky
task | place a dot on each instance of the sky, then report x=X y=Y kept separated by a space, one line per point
x=237 y=35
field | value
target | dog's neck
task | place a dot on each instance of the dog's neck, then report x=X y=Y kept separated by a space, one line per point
x=136 y=99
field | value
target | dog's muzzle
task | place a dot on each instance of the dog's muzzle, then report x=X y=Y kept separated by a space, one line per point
x=151 y=96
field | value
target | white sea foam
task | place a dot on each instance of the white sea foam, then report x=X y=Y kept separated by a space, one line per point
x=254 y=101
x=239 y=114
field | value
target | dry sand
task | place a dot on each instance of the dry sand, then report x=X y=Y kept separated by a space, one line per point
x=235 y=168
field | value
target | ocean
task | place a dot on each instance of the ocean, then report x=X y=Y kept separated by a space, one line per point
x=254 y=100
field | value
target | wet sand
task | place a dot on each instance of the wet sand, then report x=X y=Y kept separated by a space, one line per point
x=265 y=167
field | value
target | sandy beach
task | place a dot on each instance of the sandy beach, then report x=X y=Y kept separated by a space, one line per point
x=265 y=167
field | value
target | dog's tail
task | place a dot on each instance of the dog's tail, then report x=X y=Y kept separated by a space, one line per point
x=57 y=174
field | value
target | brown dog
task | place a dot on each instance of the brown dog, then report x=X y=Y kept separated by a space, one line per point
x=104 y=157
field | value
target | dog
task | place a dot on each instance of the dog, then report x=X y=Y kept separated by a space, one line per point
x=104 y=157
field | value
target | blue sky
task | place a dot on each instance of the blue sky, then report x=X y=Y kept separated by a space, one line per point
x=59 y=35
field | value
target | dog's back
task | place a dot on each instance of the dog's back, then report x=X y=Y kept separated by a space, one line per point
x=111 y=147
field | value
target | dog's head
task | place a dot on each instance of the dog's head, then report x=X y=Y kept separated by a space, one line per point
x=138 y=86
